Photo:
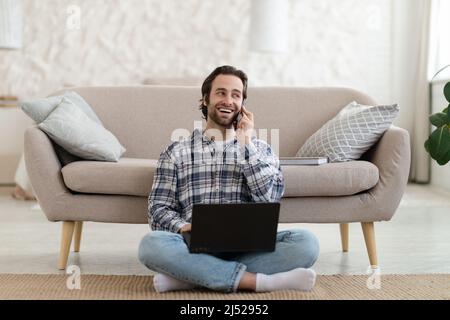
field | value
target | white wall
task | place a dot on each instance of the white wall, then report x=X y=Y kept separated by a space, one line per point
x=349 y=43
x=123 y=42
x=12 y=125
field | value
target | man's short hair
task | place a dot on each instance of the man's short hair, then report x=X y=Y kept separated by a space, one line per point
x=207 y=85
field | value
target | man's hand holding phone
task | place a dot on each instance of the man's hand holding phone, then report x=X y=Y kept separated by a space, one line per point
x=244 y=126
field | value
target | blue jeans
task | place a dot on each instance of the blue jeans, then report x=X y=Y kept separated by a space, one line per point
x=167 y=253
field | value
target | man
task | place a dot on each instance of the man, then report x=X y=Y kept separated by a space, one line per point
x=189 y=172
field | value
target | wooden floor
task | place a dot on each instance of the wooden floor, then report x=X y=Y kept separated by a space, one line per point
x=415 y=241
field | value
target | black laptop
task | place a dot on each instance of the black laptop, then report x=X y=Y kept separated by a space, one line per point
x=233 y=227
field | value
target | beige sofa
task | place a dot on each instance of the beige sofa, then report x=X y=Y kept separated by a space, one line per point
x=143 y=119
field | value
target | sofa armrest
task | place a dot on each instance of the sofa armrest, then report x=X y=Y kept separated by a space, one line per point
x=44 y=171
x=392 y=155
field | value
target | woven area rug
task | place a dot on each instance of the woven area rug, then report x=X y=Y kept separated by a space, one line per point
x=349 y=287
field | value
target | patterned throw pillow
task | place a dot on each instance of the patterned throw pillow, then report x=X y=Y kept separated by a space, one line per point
x=350 y=133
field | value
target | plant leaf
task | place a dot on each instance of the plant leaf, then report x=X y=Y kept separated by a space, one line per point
x=439 y=145
x=447 y=91
x=439 y=119
x=447 y=156
x=427 y=145
x=447 y=111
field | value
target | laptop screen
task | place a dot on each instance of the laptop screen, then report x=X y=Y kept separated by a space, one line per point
x=234 y=227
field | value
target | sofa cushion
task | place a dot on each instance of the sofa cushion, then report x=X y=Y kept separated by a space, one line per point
x=128 y=176
x=332 y=179
x=350 y=133
x=134 y=177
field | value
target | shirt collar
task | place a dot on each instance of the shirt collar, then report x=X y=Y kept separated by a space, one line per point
x=198 y=135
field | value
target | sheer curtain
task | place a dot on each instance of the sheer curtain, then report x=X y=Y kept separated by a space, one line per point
x=434 y=54
x=420 y=160
x=439 y=38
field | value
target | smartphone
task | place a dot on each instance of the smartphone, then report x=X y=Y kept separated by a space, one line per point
x=238 y=117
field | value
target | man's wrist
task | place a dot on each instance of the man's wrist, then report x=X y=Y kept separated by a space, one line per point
x=244 y=137
x=185 y=227
x=179 y=226
x=244 y=141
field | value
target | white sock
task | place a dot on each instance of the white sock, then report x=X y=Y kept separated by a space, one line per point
x=163 y=283
x=296 y=279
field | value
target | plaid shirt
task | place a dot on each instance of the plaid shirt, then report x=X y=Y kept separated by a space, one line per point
x=192 y=170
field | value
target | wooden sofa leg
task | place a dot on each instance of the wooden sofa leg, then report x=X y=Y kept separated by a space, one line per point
x=344 y=236
x=77 y=236
x=66 y=240
x=369 y=238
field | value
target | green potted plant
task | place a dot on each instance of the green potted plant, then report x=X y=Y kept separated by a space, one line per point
x=438 y=143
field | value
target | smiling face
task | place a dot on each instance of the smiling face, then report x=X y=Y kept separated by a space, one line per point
x=225 y=101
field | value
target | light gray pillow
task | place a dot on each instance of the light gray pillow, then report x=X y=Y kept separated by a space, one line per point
x=38 y=110
x=350 y=133
x=72 y=129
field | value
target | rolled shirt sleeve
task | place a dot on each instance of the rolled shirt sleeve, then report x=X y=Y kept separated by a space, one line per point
x=164 y=212
x=262 y=170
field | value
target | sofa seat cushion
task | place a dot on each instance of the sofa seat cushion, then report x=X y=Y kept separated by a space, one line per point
x=134 y=177
x=128 y=176
x=332 y=179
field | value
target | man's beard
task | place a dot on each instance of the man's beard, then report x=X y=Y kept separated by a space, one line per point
x=216 y=118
